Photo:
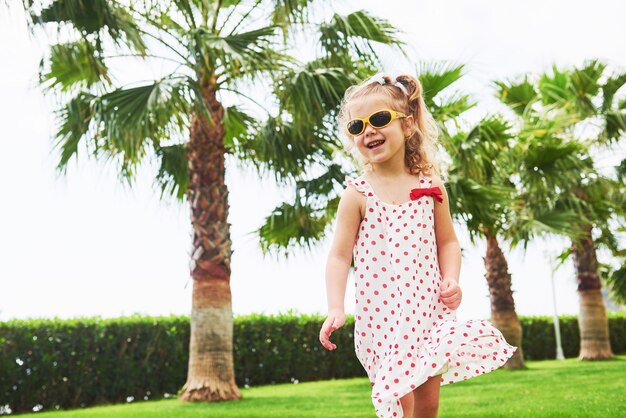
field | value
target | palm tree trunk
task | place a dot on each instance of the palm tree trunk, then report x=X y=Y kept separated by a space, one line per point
x=592 y=320
x=503 y=314
x=211 y=375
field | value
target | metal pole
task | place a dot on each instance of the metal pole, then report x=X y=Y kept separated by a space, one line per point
x=557 y=328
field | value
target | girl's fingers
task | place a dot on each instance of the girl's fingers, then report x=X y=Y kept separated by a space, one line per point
x=328 y=345
x=327 y=329
x=332 y=323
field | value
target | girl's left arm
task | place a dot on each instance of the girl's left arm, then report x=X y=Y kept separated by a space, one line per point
x=448 y=247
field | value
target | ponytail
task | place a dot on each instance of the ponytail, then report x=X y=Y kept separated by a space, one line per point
x=421 y=145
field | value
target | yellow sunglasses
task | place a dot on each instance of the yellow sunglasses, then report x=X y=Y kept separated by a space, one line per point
x=378 y=119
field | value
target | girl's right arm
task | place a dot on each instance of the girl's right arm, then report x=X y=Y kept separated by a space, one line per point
x=339 y=260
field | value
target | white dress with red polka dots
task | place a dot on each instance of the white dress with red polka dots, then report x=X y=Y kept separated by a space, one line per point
x=404 y=335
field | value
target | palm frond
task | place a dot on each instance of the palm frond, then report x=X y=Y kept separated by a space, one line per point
x=536 y=221
x=609 y=240
x=73 y=65
x=311 y=92
x=605 y=198
x=122 y=121
x=477 y=151
x=610 y=88
x=173 y=175
x=451 y=108
x=614 y=126
x=277 y=148
x=620 y=171
x=287 y=12
x=551 y=164
x=518 y=96
x=585 y=85
x=546 y=121
x=359 y=24
x=166 y=20
x=353 y=35
x=322 y=186
x=477 y=204
x=295 y=225
x=151 y=111
x=91 y=17
x=566 y=200
x=615 y=280
x=554 y=88
x=190 y=11
x=237 y=55
x=435 y=77
x=306 y=221
x=75 y=118
x=237 y=127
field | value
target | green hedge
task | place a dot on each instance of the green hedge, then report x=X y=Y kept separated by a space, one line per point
x=83 y=362
x=52 y=363
x=539 y=340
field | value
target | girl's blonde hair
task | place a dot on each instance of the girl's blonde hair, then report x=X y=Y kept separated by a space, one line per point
x=421 y=146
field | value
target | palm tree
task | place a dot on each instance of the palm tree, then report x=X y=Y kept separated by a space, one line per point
x=564 y=98
x=547 y=162
x=211 y=51
x=589 y=95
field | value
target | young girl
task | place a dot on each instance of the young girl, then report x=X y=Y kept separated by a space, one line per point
x=395 y=220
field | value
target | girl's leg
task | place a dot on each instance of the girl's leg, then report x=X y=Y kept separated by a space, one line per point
x=426 y=399
x=407 y=402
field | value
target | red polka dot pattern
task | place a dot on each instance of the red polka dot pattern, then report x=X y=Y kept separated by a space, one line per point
x=404 y=335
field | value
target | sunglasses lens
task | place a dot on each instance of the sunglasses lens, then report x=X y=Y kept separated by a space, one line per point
x=355 y=127
x=380 y=119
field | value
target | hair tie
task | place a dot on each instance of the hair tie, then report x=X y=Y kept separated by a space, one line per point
x=380 y=79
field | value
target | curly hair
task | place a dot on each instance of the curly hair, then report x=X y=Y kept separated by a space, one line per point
x=421 y=150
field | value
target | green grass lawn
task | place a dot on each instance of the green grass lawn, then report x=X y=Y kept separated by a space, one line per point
x=549 y=388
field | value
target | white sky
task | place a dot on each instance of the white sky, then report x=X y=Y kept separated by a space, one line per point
x=84 y=245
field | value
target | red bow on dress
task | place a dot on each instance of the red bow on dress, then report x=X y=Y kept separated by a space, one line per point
x=427 y=191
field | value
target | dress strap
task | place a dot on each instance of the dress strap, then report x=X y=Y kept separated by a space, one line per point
x=361 y=185
x=424 y=181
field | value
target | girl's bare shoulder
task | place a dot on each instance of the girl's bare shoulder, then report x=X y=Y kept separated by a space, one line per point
x=353 y=200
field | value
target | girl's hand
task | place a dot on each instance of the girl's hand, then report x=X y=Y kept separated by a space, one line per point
x=451 y=293
x=336 y=319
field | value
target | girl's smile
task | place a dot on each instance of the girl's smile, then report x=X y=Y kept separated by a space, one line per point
x=376 y=144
